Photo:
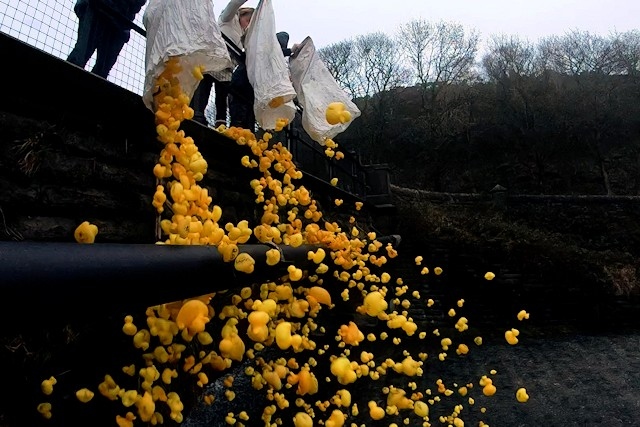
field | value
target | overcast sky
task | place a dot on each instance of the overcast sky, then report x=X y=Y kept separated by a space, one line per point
x=331 y=21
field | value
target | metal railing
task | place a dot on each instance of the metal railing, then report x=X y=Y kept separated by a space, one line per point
x=366 y=182
x=52 y=26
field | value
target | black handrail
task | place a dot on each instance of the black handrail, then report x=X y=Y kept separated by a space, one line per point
x=63 y=280
x=42 y=279
x=108 y=10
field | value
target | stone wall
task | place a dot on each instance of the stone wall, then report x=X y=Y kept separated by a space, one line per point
x=55 y=175
x=569 y=259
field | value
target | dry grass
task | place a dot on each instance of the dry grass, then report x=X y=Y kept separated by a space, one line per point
x=611 y=263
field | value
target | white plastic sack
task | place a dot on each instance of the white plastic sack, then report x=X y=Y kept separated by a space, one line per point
x=267 y=69
x=187 y=29
x=316 y=89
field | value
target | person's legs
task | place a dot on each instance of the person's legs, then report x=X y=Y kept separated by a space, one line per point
x=241 y=113
x=222 y=95
x=87 y=37
x=111 y=43
x=241 y=100
x=251 y=116
x=200 y=99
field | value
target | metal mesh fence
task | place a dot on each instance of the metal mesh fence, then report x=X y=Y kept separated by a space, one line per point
x=52 y=25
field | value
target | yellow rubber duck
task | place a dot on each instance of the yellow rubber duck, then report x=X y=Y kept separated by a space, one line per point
x=146 y=407
x=302 y=419
x=244 y=263
x=375 y=411
x=521 y=395
x=84 y=395
x=276 y=102
x=193 y=316
x=295 y=274
x=86 y=232
x=129 y=328
x=337 y=113
x=511 y=336
x=198 y=72
x=47 y=385
x=45 y=409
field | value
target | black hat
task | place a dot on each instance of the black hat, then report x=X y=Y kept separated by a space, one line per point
x=283 y=39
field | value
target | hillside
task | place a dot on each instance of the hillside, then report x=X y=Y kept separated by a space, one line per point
x=572 y=257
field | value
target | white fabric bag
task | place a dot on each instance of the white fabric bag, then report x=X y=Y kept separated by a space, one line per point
x=267 y=69
x=187 y=29
x=316 y=89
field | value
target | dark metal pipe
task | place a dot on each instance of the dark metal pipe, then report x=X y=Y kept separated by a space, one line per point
x=40 y=278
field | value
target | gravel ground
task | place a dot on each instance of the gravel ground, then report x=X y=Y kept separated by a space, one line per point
x=572 y=378
x=575 y=376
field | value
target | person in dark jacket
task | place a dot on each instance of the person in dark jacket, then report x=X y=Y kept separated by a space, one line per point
x=104 y=26
x=233 y=22
x=242 y=97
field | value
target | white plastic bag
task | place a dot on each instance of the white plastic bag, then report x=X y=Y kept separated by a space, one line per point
x=316 y=89
x=267 y=69
x=186 y=29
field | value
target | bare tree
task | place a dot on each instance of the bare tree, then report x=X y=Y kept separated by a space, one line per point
x=367 y=65
x=579 y=52
x=510 y=56
x=380 y=73
x=380 y=64
x=592 y=61
x=414 y=38
x=342 y=64
x=626 y=47
x=442 y=58
x=524 y=105
x=439 y=54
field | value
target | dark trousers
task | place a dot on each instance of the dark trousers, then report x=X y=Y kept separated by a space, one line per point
x=222 y=97
x=98 y=33
x=200 y=99
x=241 y=98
